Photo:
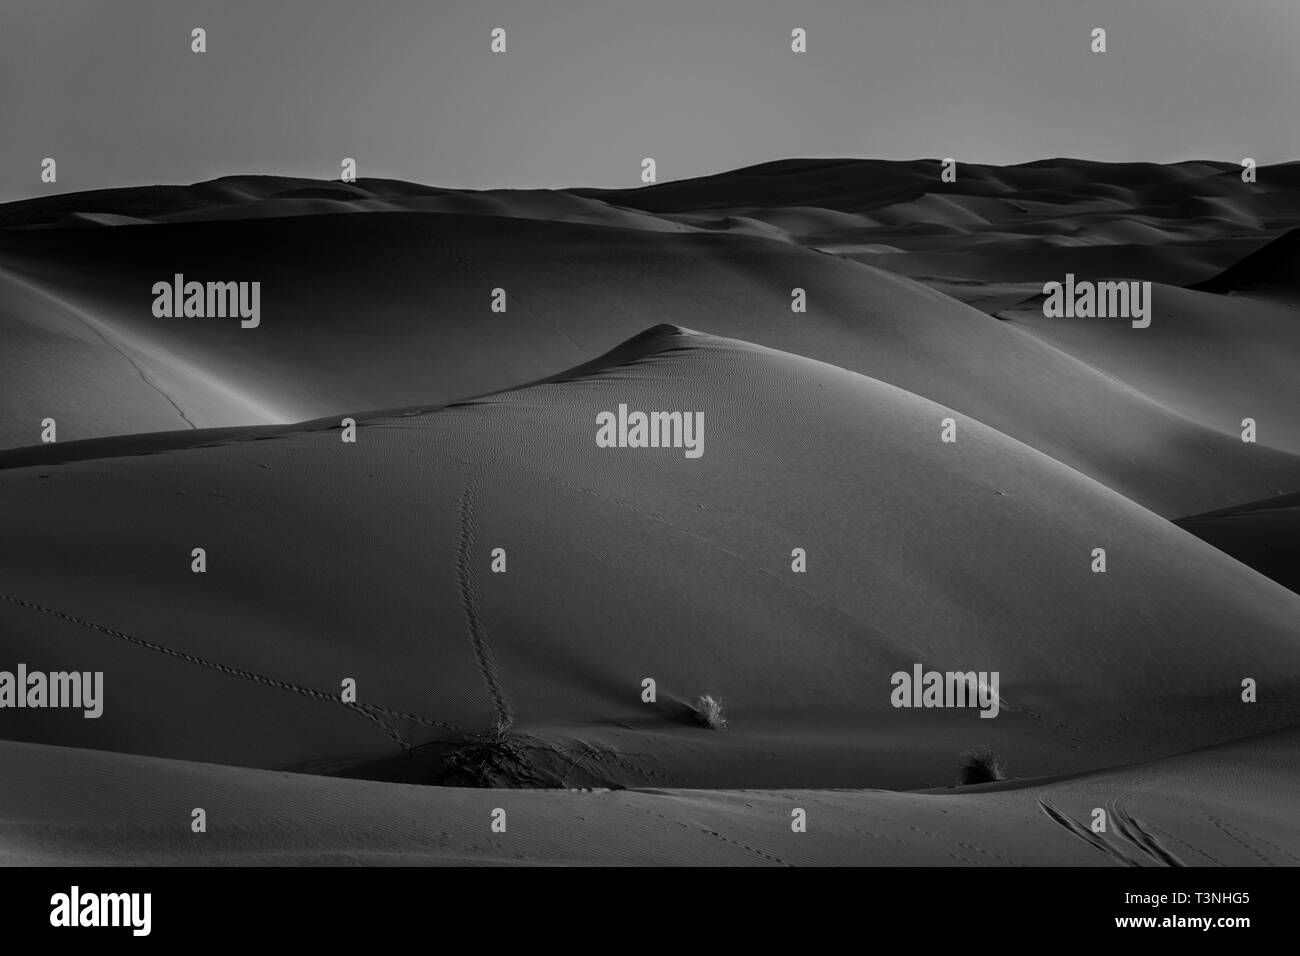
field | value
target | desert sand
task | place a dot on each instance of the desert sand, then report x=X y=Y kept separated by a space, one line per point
x=1185 y=811
x=372 y=560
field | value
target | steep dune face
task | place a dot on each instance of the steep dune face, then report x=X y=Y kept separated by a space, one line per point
x=1270 y=272
x=1263 y=534
x=372 y=561
x=392 y=310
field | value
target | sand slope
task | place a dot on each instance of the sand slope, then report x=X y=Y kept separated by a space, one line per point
x=371 y=561
x=393 y=309
x=94 y=376
x=1217 y=359
x=1229 y=806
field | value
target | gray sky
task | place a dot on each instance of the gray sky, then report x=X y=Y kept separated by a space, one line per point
x=589 y=87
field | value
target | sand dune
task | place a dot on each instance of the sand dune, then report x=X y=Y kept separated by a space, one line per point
x=95 y=376
x=373 y=561
x=1214 y=358
x=425 y=280
x=1178 y=223
x=973 y=556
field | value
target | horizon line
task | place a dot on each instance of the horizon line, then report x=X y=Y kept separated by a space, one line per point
x=637 y=186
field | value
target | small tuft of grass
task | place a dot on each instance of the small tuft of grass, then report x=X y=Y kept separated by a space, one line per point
x=708 y=711
x=981 y=765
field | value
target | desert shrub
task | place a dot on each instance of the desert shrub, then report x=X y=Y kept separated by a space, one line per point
x=708 y=711
x=981 y=765
x=492 y=759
